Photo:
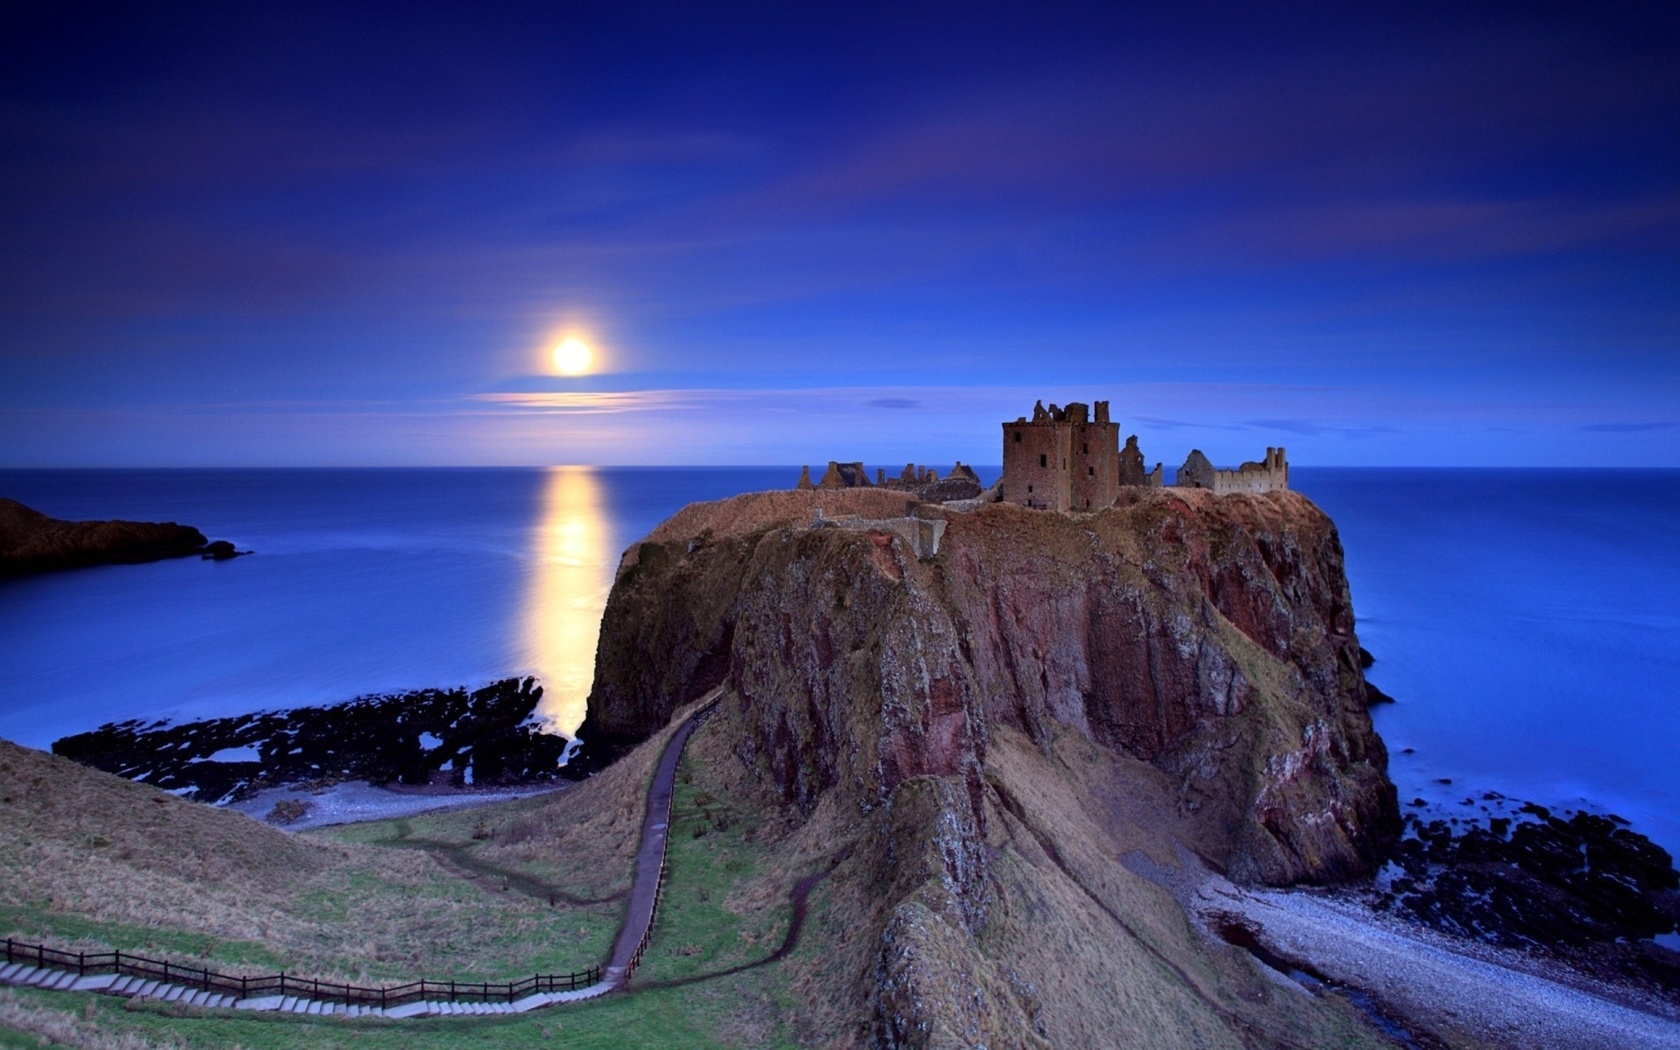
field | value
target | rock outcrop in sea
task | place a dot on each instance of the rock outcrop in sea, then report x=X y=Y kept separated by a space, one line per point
x=31 y=542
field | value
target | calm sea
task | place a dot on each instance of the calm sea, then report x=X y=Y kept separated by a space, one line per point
x=1525 y=620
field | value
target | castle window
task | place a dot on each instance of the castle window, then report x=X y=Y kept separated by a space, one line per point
x=1085 y=449
x=1091 y=471
x=1029 y=488
x=1043 y=460
x=1017 y=437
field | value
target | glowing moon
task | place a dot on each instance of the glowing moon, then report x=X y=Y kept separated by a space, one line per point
x=573 y=357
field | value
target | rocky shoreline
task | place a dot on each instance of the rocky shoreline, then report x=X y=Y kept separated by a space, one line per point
x=1580 y=888
x=32 y=542
x=447 y=737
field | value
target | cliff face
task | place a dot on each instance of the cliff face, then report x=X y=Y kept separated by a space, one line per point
x=1211 y=636
x=32 y=542
x=999 y=731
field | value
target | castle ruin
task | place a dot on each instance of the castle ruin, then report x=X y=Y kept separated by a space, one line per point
x=1063 y=459
x=923 y=482
x=1271 y=475
x=1066 y=459
x=1069 y=459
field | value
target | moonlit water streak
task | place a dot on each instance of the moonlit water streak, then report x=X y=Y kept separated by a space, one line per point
x=574 y=555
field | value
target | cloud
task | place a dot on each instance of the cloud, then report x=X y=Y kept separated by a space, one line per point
x=893 y=402
x=1178 y=424
x=1309 y=428
x=1628 y=428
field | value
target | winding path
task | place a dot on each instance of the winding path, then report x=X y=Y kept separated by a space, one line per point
x=650 y=858
x=627 y=951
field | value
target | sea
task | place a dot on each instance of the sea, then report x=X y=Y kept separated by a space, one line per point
x=1527 y=622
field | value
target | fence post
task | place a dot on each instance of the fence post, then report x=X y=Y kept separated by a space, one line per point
x=81 y=964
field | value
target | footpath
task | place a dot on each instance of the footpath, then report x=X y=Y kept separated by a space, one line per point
x=36 y=967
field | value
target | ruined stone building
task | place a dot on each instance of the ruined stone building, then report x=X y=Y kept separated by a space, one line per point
x=1070 y=459
x=1271 y=475
x=924 y=482
x=1066 y=459
x=1063 y=458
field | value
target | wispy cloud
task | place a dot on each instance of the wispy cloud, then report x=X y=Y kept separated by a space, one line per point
x=893 y=402
x=1181 y=424
x=1313 y=428
x=1628 y=428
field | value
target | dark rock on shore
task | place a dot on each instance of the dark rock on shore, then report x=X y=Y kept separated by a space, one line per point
x=31 y=542
x=431 y=735
x=221 y=550
x=1581 y=885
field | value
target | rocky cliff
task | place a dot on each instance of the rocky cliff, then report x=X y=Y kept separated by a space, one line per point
x=32 y=542
x=1212 y=636
x=995 y=728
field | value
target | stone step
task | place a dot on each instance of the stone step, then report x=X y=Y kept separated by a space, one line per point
x=314 y=1007
x=197 y=998
x=10 y=970
x=263 y=1002
x=96 y=983
x=172 y=992
x=288 y=1004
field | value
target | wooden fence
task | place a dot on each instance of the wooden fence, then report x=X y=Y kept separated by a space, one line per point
x=129 y=965
x=700 y=718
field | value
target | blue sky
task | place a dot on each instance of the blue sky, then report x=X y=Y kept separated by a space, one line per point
x=1414 y=234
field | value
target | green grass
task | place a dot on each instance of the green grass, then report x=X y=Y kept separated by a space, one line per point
x=655 y=1018
x=725 y=906
x=36 y=921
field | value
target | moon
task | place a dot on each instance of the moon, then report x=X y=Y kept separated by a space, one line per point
x=573 y=357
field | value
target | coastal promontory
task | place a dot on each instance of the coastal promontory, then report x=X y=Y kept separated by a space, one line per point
x=32 y=542
x=1010 y=722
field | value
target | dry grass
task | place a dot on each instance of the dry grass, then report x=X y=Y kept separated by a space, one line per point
x=582 y=841
x=54 y=1027
x=1111 y=955
x=757 y=511
x=1093 y=953
x=95 y=862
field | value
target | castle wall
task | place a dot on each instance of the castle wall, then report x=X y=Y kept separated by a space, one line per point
x=1035 y=464
x=1094 y=465
x=1271 y=475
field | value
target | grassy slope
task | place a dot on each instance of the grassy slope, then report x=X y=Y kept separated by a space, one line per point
x=1107 y=955
x=725 y=906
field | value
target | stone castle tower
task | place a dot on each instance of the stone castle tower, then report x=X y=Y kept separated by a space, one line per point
x=1062 y=459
